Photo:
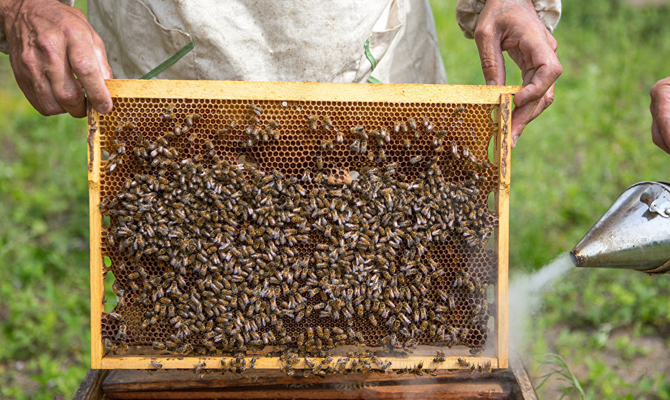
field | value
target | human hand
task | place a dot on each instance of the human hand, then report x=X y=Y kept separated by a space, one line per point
x=50 y=43
x=660 y=113
x=514 y=26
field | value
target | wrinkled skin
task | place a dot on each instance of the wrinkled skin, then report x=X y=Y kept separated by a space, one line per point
x=514 y=26
x=56 y=56
x=660 y=113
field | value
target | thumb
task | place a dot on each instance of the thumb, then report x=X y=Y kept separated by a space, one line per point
x=490 y=54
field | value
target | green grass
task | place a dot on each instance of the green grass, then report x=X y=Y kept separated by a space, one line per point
x=569 y=166
x=43 y=250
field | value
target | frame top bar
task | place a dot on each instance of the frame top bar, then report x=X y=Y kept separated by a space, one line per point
x=308 y=91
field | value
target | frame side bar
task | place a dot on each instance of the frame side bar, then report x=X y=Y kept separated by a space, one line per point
x=503 y=158
x=95 y=223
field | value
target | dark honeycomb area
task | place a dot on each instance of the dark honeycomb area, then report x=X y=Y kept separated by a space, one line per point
x=353 y=223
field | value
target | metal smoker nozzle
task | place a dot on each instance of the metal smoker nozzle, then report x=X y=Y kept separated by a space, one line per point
x=633 y=234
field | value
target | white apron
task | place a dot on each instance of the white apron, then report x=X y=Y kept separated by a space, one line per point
x=265 y=40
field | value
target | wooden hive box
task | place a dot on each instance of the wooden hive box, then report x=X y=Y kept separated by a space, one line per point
x=247 y=217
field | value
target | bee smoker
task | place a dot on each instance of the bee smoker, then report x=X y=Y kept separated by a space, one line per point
x=633 y=234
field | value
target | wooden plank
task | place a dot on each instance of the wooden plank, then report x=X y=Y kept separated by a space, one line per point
x=91 y=386
x=417 y=389
x=523 y=389
x=145 y=362
x=308 y=91
x=503 y=154
x=95 y=223
x=132 y=380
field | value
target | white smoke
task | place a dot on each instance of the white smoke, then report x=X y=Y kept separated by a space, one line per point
x=525 y=296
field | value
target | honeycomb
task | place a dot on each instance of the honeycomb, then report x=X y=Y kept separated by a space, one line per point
x=238 y=225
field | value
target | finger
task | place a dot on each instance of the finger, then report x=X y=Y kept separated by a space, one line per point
x=20 y=66
x=521 y=116
x=45 y=95
x=658 y=139
x=660 y=94
x=101 y=55
x=490 y=54
x=28 y=91
x=67 y=90
x=42 y=86
x=84 y=63
x=540 y=57
x=527 y=73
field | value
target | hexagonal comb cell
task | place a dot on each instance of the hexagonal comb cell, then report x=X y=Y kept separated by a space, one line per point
x=304 y=225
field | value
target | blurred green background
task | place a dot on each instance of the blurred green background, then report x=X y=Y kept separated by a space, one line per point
x=594 y=141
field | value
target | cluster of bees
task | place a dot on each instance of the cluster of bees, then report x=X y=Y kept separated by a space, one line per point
x=250 y=258
x=475 y=367
x=353 y=362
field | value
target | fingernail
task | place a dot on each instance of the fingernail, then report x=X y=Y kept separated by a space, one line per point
x=104 y=108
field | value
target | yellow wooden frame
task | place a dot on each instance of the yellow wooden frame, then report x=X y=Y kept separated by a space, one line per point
x=235 y=90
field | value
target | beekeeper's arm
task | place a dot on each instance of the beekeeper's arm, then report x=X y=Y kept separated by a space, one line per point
x=660 y=113
x=523 y=29
x=55 y=55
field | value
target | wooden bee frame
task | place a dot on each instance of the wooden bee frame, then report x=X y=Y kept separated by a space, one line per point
x=165 y=93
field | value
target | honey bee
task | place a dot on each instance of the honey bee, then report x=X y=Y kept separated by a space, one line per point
x=428 y=125
x=339 y=136
x=109 y=346
x=440 y=357
x=159 y=346
x=121 y=335
x=463 y=362
x=356 y=146
x=487 y=367
x=327 y=123
x=156 y=364
x=256 y=110
x=459 y=110
x=382 y=155
x=454 y=151
x=412 y=123
x=313 y=122
x=416 y=159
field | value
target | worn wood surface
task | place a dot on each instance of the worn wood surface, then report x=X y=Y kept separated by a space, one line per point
x=524 y=389
x=482 y=390
x=126 y=380
x=307 y=91
x=512 y=383
x=91 y=387
x=503 y=157
x=262 y=384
